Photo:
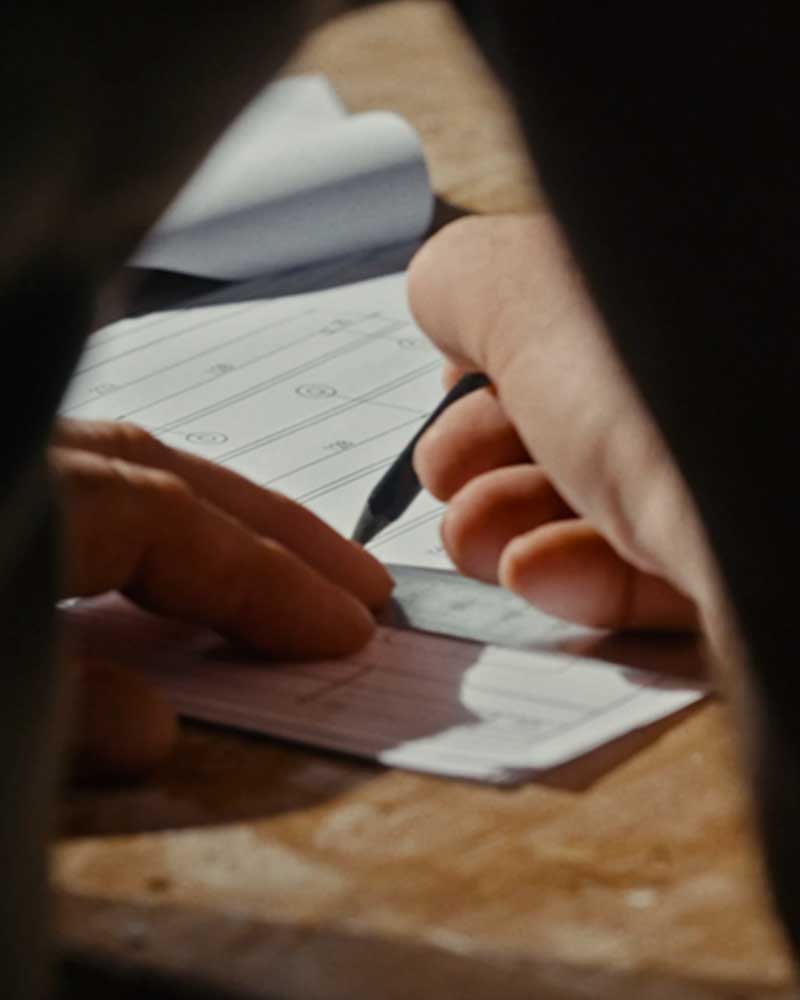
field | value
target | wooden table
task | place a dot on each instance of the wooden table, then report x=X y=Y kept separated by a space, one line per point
x=279 y=871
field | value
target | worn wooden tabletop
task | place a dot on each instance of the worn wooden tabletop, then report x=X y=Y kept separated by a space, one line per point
x=278 y=871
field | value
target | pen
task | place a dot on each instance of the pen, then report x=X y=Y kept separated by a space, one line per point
x=400 y=485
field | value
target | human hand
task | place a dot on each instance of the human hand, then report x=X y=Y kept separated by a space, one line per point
x=558 y=483
x=189 y=539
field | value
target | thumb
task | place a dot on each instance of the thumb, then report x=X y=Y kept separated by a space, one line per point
x=120 y=727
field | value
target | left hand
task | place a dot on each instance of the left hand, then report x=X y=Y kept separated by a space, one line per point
x=192 y=540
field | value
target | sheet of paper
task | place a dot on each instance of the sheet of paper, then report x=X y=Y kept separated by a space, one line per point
x=412 y=700
x=294 y=180
x=312 y=395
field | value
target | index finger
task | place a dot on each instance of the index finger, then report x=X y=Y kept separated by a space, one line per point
x=266 y=512
x=145 y=533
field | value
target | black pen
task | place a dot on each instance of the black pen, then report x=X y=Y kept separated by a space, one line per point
x=394 y=493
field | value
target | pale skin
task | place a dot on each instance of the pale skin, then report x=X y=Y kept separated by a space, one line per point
x=558 y=484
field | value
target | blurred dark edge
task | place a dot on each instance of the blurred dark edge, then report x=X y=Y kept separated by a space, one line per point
x=80 y=978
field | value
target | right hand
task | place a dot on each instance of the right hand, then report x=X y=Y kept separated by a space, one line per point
x=558 y=483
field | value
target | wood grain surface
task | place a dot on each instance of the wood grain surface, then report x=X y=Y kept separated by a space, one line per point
x=273 y=870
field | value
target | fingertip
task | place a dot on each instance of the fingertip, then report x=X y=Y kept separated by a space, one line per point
x=569 y=570
x=342 y=625
x=469 y=542
x=372 y=583
x=361 y=630
x=440 y=478
x=494 y=508
x=523 y=569
x=300 y=613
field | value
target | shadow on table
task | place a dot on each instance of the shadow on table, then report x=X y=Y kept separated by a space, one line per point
x=220 y=773
x=215 y=775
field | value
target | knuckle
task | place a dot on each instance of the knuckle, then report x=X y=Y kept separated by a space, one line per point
x=431 y=467
x=455 y=535
x=444 y=246
x=134 y=443
x=164 y=489
x=86 y=477
x=138 y=494
x=467 y=229
x=473 y=539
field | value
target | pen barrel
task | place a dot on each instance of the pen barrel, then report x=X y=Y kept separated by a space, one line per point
x=400 y=486
x=396 y=491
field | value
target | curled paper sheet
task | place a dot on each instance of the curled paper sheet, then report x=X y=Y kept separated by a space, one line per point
x=282 y=190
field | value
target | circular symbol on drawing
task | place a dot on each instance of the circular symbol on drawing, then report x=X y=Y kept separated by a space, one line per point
x=315 y=391
x=207 y=437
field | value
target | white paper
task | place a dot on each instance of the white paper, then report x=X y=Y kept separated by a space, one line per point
x=293 y=181
x=312 y=395
x=409 y=699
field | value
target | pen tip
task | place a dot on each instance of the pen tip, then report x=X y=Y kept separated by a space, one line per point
x=368 y=527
